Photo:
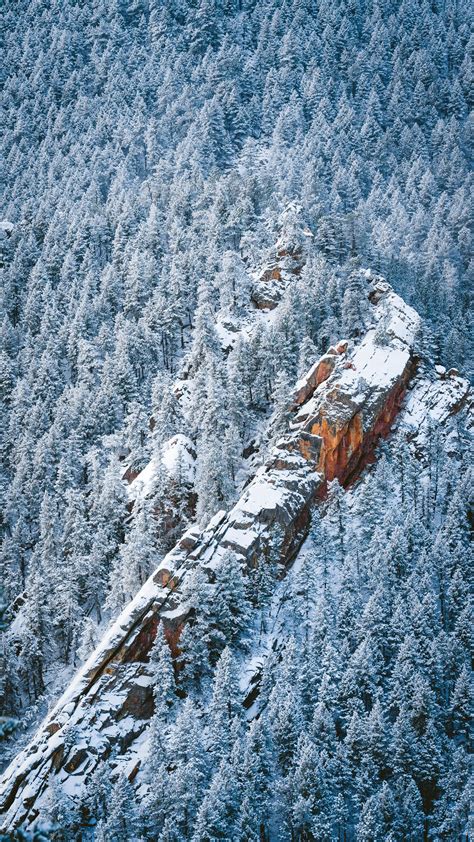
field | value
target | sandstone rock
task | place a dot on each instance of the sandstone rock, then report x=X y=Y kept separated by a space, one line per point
x=431 y=403
x=317 y=374
x=285 y=262
x=78 y=757
x=139 y=702
x=271 y=275
x=130 y=475
x=379 y=290
x=266 y=296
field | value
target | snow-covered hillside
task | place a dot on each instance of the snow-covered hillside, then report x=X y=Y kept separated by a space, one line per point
x=192 y=357
x=336 y=416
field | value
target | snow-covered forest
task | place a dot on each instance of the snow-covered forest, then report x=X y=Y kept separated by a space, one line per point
x=193 y=192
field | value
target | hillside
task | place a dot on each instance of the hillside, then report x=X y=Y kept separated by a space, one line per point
x=235 y=359
x=225 y=632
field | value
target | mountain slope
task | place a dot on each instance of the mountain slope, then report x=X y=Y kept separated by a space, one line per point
x=191 y=190
x=339 y=411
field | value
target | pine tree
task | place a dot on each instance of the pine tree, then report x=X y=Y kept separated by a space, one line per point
x=122 y=822
x=217 y=813
x=189 y=776
x=230 y=607
x=153 y=208
x=135 y=437
x=161 y=669
x=88 y=637
x=377 y=817
x=256 y=774
x=61 y=813
x=224 y=707
x=460 y=708
x=194 y=641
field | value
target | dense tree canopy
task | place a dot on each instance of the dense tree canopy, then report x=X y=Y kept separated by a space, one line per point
x=156 y=156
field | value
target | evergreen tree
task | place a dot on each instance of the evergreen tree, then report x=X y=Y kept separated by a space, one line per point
x=122 y=822
x=136 y=212
x=224 y=706
x=161 y=668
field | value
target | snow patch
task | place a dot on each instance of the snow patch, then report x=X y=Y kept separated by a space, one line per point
x=178 y=460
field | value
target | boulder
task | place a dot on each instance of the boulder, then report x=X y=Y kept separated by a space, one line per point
x=266 y=296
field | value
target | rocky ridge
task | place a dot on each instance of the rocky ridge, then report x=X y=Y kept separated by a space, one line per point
x=348 y=400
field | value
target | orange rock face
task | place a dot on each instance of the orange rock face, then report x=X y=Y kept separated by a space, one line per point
x=339 y=445
x=130 y=474
x=172 y=632
x=339 y=413
x=273 y=274
x=346 y=447
x=142 y=643
x=138 y=703
x=325 y=368
x=316 y=375
x=165 y=579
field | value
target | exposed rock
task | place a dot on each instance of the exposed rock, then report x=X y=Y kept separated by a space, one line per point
x=271 y=275
x=430 y=403
x=319 y=372
x=357 y=402
x=177 y=460
x=130 y=475
x=270 y=286
x=177 y=466
x=266 y=296
x=78 y=757
x=379 y=289
x=285 y=262
x=139 y=701
x=338 y=416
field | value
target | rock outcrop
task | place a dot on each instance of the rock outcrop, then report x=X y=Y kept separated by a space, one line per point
x=285 y=262
x=270 y=286
x=358 y=394
x=338 y=412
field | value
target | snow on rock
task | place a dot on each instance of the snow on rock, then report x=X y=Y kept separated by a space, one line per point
x=111 y=681
x=179 y=457
x=431 y=402
x=285 y=261
x=318 y=373
x=335 y=424
x=144 y=482
x=228 y=330
x=179 y=461
x=359 y=395
x=6 y=229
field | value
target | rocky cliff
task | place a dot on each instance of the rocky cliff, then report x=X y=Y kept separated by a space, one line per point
x=348 y=400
